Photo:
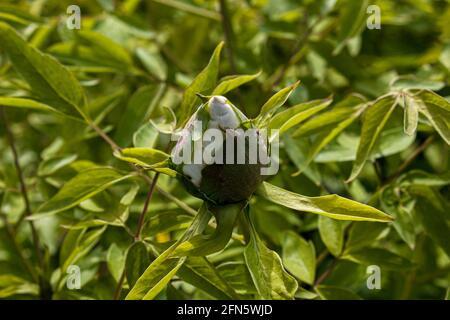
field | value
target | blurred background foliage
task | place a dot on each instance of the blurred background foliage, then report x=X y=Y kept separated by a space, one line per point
x=134 y=59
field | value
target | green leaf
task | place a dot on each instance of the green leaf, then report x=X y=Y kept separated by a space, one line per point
x=204 y=82
x=25 y=103
x=403 y=223
x=327 y=136
x=138 y=110
x=274 y=103
x=332 y=234
x=411 y=115
x=166 y=265
x=79 y=244
x=437 y=110
x=374 y=121
x=11 y=285
x=335 y=293
x=362 y=234
x=199 y=272
x=189 y=8
x=137 y=260
x=105 y=48
x=329 y=119
x=145 y=137
x=291 y=117
x=433 y=216
x=202 y=245
x=162 y=276
x=380 y=257
x=83 y=186
x=391 y=141
x=237 y=276
x=233 y=82
x=48 y=79
x=145 y=157
x=299 y=257
x=419 y=177
x=51 y=165
x=266 y=269
x=332 y=206
x=352 y=21
x=115 y=259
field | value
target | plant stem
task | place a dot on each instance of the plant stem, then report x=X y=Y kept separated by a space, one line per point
x=12 y=235
x=150 y=192
x=228 y=32
x=104 y=136
x=24 y=192
x=411 y=158
x=118 y=289
x=326 y=273
x=298 y=46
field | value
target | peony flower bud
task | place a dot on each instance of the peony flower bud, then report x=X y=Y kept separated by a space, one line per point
x=235 y=170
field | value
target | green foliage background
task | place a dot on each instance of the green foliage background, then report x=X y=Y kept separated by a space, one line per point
x=369 y=121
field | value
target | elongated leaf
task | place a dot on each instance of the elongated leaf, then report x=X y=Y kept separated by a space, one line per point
x=336 y=293
x=48 y=79
x=105 y=48
x=145 y=136
x=199 y=272
x=432 y=216
x=381 y=257
x=80 y=245
x=83 y=186
x=403 y=223
x=161 y=270
x=115 y=259
x=327 y=136
x=332 y=234
x=274 y=103
x=233 y=82
x=205 y=81
x=145 y=157
x=51 y=165
x=202 y=245
x=299 y=257
x=437 y=110
x=296 y=114
x=266 y=269
x=237 y=276
x=137 y=260
x=332 y=206
x=362 y=234
x=162 y=275
x=353 y=18
x=374 y=121
x=138 y=109
x=411 y=115
x=329 y=119
x=25 y=103
x=419 y=177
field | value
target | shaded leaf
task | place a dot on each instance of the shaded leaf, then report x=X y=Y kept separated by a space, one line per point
x=233 y=82
x=374 y=121
x=204 y=82
x=137 y=260
x=266 y=269
x=52 y=82
x=299 y=257
x=83 y=186
x=332 y=234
